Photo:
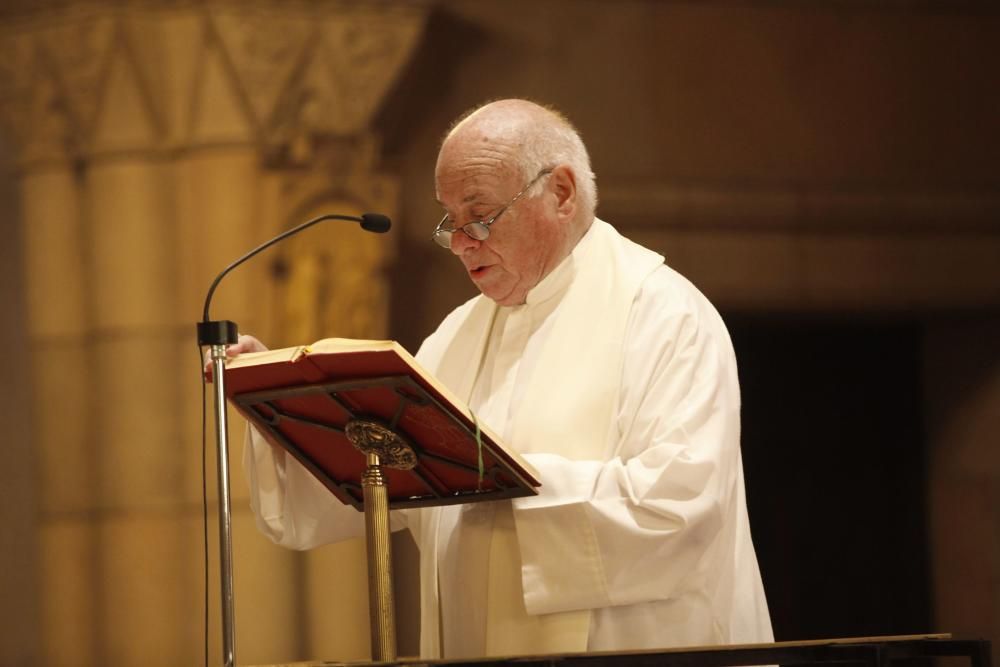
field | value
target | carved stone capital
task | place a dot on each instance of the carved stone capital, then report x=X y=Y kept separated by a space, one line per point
x=106 y=78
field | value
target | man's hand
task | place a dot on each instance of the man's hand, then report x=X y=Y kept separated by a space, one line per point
x=243 y=344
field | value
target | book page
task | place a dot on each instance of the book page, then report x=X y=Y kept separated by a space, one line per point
x=324 y=346
x=279 y=355
x=334 y=345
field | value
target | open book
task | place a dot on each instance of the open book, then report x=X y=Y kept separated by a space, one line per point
x=307 y=400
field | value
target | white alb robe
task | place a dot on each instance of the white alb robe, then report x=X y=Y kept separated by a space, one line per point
x=646 y=547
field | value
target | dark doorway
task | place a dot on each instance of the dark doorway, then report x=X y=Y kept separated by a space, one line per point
x=834 y=456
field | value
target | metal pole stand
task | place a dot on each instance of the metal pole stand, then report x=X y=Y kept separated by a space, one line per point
x=216 y=335
x=225 y=512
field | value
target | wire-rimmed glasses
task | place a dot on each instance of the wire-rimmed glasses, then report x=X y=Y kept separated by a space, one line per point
x=479 y=230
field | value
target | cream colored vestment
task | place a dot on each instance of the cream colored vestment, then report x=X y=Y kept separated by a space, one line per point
x=639 y=538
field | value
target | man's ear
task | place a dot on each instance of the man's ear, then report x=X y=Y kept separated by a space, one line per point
x=563 y=184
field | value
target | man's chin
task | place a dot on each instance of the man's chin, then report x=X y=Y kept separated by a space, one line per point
x=499 y=291
x=507 y=298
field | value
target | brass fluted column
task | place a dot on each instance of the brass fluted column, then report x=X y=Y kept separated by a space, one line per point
x=381 y=603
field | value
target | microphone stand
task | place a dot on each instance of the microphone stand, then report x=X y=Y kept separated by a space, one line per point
x=217 y=334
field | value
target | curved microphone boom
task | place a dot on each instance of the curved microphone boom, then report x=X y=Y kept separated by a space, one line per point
x=219 y=333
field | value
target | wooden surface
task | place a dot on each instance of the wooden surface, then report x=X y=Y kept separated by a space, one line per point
x=874 y=650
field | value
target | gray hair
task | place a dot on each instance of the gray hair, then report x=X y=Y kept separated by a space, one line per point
x=549 y=144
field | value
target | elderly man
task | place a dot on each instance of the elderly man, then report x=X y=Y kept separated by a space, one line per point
x=613 y=376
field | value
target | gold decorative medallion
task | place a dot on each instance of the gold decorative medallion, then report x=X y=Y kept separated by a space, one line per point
x=370 y=437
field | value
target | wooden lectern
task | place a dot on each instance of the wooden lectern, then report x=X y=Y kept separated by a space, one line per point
x=380 y=433
x=867 y=651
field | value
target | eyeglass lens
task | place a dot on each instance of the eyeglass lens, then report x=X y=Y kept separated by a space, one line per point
x=476 y=230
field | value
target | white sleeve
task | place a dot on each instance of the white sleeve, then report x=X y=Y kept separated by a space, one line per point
x=292 y=507
x=640 y=526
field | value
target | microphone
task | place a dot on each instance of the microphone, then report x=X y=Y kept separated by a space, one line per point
x=224 y=332
x=376 y=222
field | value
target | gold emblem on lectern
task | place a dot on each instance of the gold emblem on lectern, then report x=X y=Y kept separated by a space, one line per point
x=370 y=437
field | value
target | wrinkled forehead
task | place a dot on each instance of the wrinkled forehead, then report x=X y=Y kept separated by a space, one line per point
x=473 y=165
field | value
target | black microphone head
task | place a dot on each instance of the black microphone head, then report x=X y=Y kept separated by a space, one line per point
x=376 y=222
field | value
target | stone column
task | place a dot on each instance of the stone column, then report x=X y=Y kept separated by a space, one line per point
x=62 y=412
x=150 y=143
x=58 y=330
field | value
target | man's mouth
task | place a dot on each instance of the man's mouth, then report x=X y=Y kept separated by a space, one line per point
x=478 y=271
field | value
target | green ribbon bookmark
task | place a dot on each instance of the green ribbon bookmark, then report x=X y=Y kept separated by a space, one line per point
x=479 y=449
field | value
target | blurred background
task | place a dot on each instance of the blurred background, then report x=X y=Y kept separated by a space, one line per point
x=827 y=172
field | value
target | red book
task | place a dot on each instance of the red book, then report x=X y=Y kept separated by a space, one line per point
x=312 y=400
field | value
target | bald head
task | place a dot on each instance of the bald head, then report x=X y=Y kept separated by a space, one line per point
x=526 y=137
x=524 y=167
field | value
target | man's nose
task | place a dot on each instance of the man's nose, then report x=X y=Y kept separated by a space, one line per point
x=460 y=242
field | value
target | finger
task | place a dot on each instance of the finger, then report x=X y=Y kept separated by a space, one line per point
x=243 y=344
